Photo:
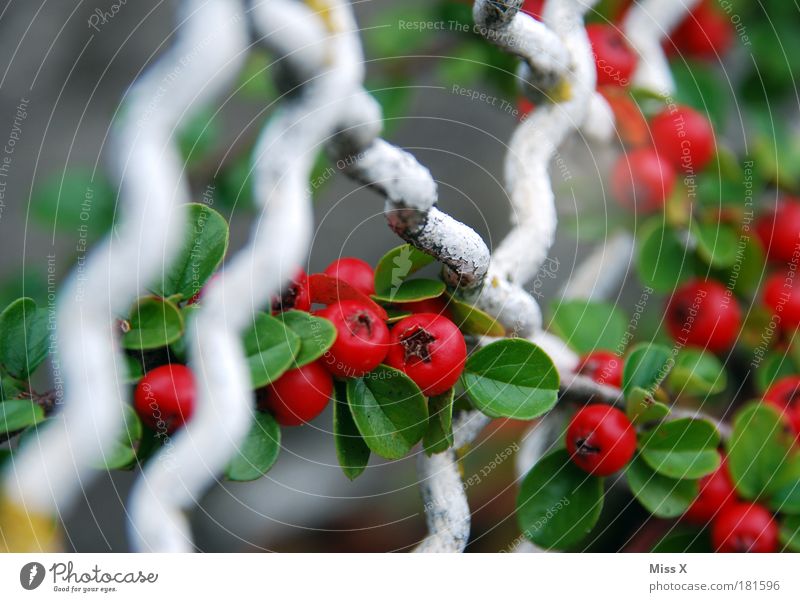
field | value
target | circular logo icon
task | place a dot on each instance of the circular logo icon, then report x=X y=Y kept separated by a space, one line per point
x=31 y=575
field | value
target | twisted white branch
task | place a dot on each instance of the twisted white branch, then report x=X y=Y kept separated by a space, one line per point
x=46 y=475
x=646 y=25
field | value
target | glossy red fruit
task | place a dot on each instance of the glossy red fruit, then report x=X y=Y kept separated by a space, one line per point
x=785 y=396
x=296 y=296
x=355 y=272
x=165 y=397
x=779 y=231
x=702 y=313
x=783 y=298
x=299 y=395
x=524 y=107
x=602 y=367
x=716 y=492
x=614 y=59
x=600 y=439
x=684 y=137
x=533 y=8
x=705 y=33
x=430 y=349
x=744 y=527
x=362 y=339
x=642 y=181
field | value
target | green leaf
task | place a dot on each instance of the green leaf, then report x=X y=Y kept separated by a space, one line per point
x=439 y=434
x=133 y=370
x=697 y=372
x=662 y=260
x=772 y=368
x=154 y=323
x=589 y=325
x=205 y=243
x=558 y=503
x=199 y=135
x=682 y=449
x=17 y=414
x=789 y=533
x=396 y=266
x=757 y=450
x=24 y=337
x=512 y=378
x=717 y=243
x=698 y=85
x=316 y=335
x=660 y=495
x=646 y=366
x=745 y=273
x=76 y=202
x=389 y=411
x=270 y=348
x=123 y=454
x=681 y=542
x=787 y=488
x=396 y=314
x=351 y=450
x=258 y=452
x=11 y=388
x=640 y=407
x=474 y=321
x=409 y=291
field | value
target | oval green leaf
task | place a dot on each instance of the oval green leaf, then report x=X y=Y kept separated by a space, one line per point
x=473 y=321
x=512 y=378
x=351 y=450
x=409 y=291
x=660 y=495
x=123 y=452
x=646 y=366
x=439 y=434
x=662 y=261
x=697 y=372
x=204 y=247
x=396 y=266
x=641 y=407
x=24 y=337
x=258 y=452
x=589 y=325
x=17 y=414
x=270 y=348
x=717 y=243
x=558 y=504
x=682 y=449
x=154 y=323
x=389 y=411
x=316 y=335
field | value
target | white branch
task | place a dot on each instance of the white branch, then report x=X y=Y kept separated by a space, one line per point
x=646 y=25
x=47 y=474
x=329 y=70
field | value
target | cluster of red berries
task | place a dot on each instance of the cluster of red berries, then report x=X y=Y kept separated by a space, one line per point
x=426 y=345
x=736 y=525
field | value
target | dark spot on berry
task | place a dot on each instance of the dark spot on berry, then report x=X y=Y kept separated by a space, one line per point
x=287 y=299
x=583 y=448
x=416 y=343
x=360 y=323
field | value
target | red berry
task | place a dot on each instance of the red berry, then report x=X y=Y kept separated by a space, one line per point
x=704 y=314
x=783 y=298
x=165 y=397
x=704 y=33
x=641 y=180
x=744 y=527
x=631 y=124
x=299 y=395
x=362 y=339
x=600 y=439
x=533 y=8
x=355 y=272
x=296 y=296
x=602 y=367
x=683 y=137
x=524 y=107
x=779 y=231
x=614 y=60
x=430 y=349
x=428 y=306
x=785 y=396
x=716 y=492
